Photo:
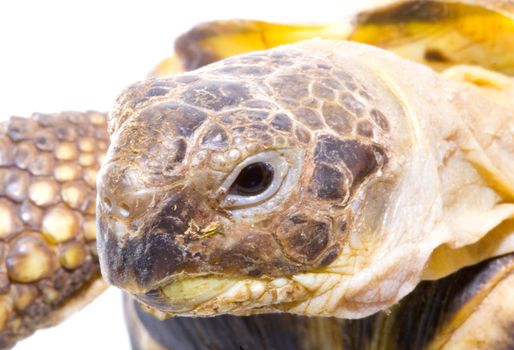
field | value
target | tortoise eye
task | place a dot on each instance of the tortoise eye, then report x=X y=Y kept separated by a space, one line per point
x=260 y=182
x=253 y=180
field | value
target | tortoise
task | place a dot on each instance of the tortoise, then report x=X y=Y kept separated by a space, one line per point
x=320 y=194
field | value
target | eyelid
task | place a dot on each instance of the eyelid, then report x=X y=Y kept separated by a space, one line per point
x=280 y=168
x=293 y=158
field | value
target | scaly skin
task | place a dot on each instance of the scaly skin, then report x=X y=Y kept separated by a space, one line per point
x=49 y=266
x=382 y=173
x=60 y=261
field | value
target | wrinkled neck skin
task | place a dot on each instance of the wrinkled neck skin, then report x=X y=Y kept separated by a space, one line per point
x=452 y=204
x=443 y=199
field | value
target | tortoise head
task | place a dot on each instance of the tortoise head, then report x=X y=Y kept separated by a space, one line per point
x=224 y=187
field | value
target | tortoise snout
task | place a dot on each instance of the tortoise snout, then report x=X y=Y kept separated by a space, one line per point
x=124 y=206
x=119 y=210
x=122 y=195
x=136 y=254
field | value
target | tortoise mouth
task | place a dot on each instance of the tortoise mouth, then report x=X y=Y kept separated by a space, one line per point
x=211 y=295
x=183 y=295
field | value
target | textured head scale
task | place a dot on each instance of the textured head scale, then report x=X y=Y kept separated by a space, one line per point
x=179 y=144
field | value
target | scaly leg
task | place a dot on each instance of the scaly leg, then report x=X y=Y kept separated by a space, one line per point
x=49 y=266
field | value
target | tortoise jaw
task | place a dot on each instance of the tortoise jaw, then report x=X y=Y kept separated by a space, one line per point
x=137 y=255
x=183 y=295
x=212 y=295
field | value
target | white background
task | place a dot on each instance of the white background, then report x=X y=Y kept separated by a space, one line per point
x=71 y=55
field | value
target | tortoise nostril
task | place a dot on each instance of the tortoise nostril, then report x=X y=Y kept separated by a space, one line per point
x=107 y=203
x=124 y=210
x=121 y=210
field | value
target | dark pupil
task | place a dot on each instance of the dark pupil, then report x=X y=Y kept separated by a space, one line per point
x=253 y=179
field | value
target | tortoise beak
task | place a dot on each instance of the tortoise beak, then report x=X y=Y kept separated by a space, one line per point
x=183 y=295
x=141 y=229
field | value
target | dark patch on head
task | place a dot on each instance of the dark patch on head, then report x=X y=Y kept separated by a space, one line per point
x=343 y=75
x=156 y=91
x=323 y=66
x=185 y=119
x=359 y=158
x=161 y=255
x=246 y=70
x=304 y=239
x=337 y=118
x=293 y=86
x=244 y=259
x=162 y=159
x=168 y=84
x=309 y=117
x=302 y=134
x=330 y=83
x=256 y=115
x=173 y=217
x=238 y=129
x=281 y=62
x=157 y=253
x=379 y=118
x=266 y=139
x=281 y=122
x=365 y=128
x=365 y=94
x=322 y=92
x=330 y=255
x=216 y=137
x=240 y=259
x=180 y=150
x=310 y=102
x=144 y=259
x=187 y=78
x=226 y=118
x=259 y=104
x=261 y=127
x=136 y=102
x=216 y=95
x=251 y=58
x=280 y=55
x=350 y=85
x=351 y=104
x=328 y=183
